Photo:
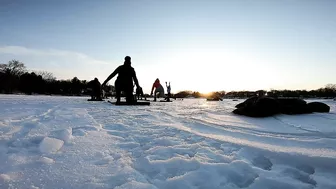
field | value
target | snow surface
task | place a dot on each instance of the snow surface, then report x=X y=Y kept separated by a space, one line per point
x=68 y=142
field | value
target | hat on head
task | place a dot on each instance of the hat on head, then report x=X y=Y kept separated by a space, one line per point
x=127 y=58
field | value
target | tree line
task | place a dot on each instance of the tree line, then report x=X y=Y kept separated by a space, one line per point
x=15 y=78
x=329 y=91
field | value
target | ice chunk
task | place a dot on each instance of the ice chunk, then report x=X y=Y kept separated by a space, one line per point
x=78 y=132
x=136 y=185
x=64 y=134
x=50 y=145
x=46 y=160
x=4 y=178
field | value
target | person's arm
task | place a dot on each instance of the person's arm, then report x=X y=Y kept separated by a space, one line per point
x=152 y=88
x=111 y=76
x=135 y=79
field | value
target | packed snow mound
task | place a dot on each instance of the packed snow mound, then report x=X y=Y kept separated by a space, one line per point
x=50 y=145
x=63 y=134
x=4 y=178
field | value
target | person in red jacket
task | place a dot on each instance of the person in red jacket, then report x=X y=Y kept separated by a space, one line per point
x=159 y=90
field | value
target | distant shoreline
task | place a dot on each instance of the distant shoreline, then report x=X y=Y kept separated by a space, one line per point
x=88 y=96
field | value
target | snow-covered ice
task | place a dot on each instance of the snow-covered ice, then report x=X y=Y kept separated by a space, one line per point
x=68 y=142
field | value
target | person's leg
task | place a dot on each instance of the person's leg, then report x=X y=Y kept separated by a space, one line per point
x=98 y=95
x=118 y=90
x=168 y=97
x=129 y=97
x=140 y=93
x=92 y=95
x=155 y=93
x=97 y=91
x=129 y=94
x=101 y=94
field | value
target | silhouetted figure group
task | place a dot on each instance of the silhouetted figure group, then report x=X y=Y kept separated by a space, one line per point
x=257 y=106
x=124 y=83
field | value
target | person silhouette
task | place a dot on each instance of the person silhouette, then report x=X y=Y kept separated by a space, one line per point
x=139 y=93
x=159 y=90
x=168 y=92
x=124 y=81
x=96 y=89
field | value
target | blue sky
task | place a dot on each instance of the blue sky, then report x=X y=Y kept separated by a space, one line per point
x=196 y=45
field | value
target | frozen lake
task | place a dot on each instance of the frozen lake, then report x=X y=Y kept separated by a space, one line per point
x=68 y=142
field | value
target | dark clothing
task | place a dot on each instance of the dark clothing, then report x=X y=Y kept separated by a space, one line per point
x=128 y=90
x=125 y=75
x=96 y=90
x=124 y=81
x=139 y=93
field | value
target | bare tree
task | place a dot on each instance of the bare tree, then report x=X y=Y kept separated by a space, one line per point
x=331 y=86
x=48 y=76
x=14 y=67
x=2 y=68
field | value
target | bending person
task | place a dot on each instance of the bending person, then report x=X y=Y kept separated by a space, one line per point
x=159 y=90
x=124 y=81
x=96 y=89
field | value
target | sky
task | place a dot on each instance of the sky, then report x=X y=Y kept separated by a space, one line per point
x=195 y=45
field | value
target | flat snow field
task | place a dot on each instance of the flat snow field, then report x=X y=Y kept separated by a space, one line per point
x=68 y=142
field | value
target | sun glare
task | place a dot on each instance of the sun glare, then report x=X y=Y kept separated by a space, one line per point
x=207 y=71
